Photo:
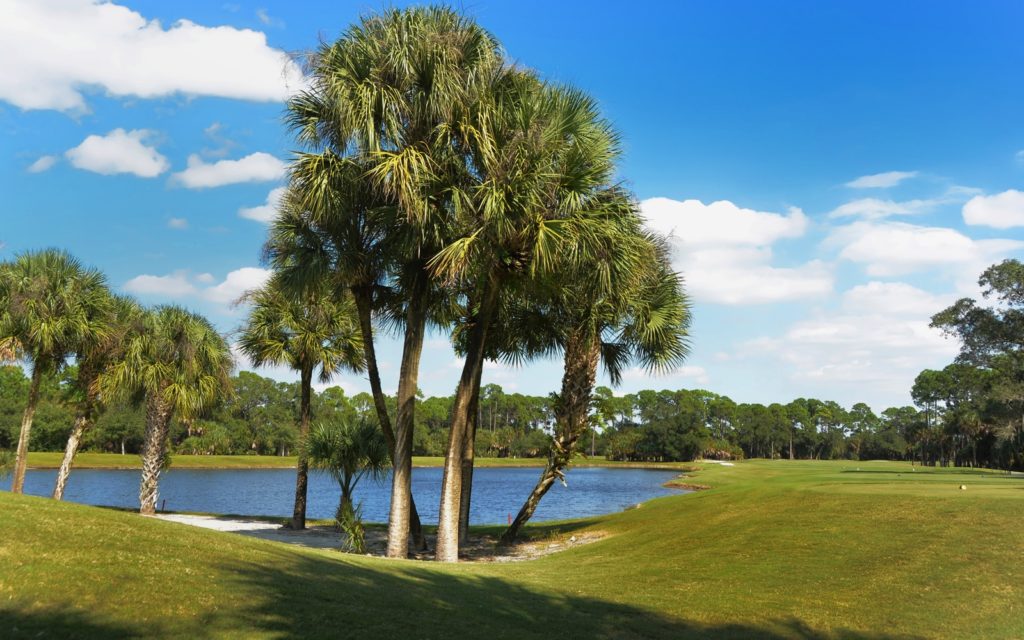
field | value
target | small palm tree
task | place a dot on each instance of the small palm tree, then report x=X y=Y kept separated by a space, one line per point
x=50 y=307
x=636 y=312
x=179 y=364
x=315 y=330
x=348 y=451
x=122 y=319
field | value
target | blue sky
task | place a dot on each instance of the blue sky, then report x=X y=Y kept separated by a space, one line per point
x=833 y=173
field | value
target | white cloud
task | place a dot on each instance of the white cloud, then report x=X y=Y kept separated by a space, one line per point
x=266 y=212
x=895 y=248
x=119 y=151
x=874 y=208
x=871 y=349
x=724 y=251
x=255 y=167
x=237 y=283
x=1001 y=211
x=43 y=163
x=894 y=299
x=172 y=285
x=177 y=223
x=881 y=180
x=65 y=47
x=1019 y=156
x=179 y=284
x=268 y=19
x=694 y=223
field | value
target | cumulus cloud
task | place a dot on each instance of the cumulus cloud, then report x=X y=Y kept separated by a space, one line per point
x=119 y=151
x=724 y=251
x=881 y=180
x=255 y=167
x=870 y=348
x=170 y=286
x=1001 y=211
x=237 y=283
x=63 y=48
x=874 y=208
x=177 y=223
x=179 y=284
x=267 y=211
x=43 y=163
x=896 y=248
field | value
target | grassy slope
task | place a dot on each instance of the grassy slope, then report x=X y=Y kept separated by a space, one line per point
x=88 y=460
x=776 y=549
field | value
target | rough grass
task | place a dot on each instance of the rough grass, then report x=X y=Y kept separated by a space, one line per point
x=774 y=550
x=90 y=460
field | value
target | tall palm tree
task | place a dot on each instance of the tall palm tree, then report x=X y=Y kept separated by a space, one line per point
x=348 y=451
x=639 y=314
x=316 y=329
x=542 y=156
x=50 y=307
x=178 y=364
x=121 y=320
x=392 y=92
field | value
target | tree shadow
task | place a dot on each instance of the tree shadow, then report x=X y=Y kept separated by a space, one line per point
x=59 y=622
x=316 y=597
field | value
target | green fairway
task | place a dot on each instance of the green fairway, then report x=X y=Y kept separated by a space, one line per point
x=52 y=459
x=775 y=549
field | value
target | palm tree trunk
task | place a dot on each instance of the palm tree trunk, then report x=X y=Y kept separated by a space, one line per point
x=364 y=308
x=447 y=548
x=401 y=459
x=158 y=419
x=572 y=410
x=21 y=461
x=468 y=454
x=82 y=423
x=302 y=468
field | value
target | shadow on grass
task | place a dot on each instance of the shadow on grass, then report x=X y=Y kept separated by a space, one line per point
x=327 y=598
x=59 y=623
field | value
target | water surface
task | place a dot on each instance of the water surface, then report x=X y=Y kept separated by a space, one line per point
x=497 y=491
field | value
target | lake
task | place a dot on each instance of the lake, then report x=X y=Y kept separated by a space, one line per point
x=497 y=491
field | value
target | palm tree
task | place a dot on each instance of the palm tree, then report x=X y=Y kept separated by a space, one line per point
x=50 y=307
x=348 y=451
x=316 y=329
x=639 y=314
x=392 y=93
x=543 y=157
x=121 y=320
x=180 y=365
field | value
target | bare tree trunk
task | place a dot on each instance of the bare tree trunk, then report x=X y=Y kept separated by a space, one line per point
x=302 y=468
x=401 y=478
x=362 y=296
x=572 y=413
x=21 y=461
x=447 y=548
x=468 y=455
x=158 y=418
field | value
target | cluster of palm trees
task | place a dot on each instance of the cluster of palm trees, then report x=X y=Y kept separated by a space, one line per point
x=55 y=312
x=441 y=185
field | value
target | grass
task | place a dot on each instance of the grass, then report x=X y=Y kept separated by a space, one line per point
x=774 y=550
x=90 y=460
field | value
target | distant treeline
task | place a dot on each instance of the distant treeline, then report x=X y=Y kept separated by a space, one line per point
x=261 y=417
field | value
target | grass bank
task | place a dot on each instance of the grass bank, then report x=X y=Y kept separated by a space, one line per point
x=90 y=460
x=773 y=550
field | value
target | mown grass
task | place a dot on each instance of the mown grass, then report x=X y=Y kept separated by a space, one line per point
x=774 y=550
x=90 y=460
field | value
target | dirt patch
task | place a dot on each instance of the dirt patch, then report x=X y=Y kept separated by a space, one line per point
x=479 y=548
